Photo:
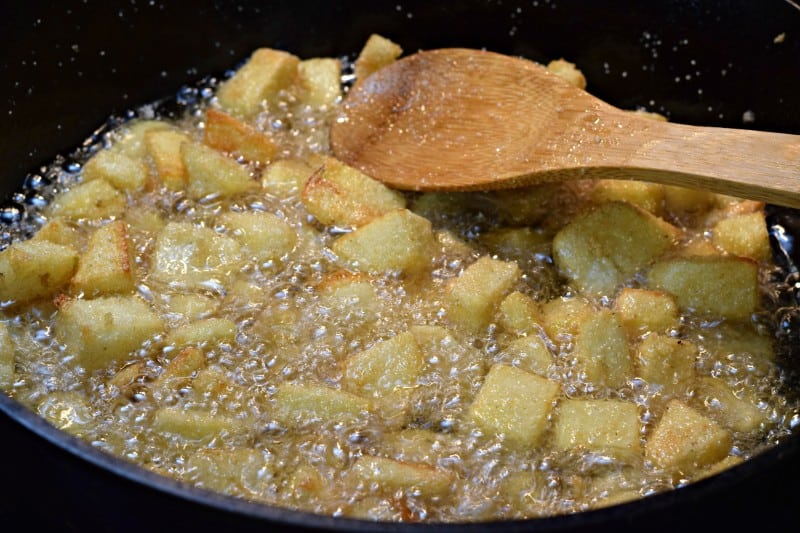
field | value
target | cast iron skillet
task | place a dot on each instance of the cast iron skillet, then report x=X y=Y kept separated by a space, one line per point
x=65 y=68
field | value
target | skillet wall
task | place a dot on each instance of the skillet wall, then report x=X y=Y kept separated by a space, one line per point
x=66 y=66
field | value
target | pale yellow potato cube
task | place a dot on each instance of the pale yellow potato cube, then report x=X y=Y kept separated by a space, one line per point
x=602 y=355
x=684 y=441
x=451 y=244
x=190 y=307
x=648 y=196
x=205 y=331
x=145 y=220
x=237 y=471
x=106 y=267
x=300 y=404
x=60 y=231
x=599 y=426
x=568 y=72
x=286 y=177
x=229 y=134
x=340 y=195
x=7 y=357
x=130 y=139
x=210 y=173
x=642 y=310
x=211 y=381
x=471 y=298
x=189 y=256
x=319 y=81
x=724 y=287
x=516 y=243
x=740 y=341
x=105 y=330
x=519 y=313
x=528 y=353
x=258 y=82
x=514 y=404
x=667 y=363
x=35 y=269
x=397 y=241
x=743 y=235
x=184 y=365
x=195 y=425
x=377 y=53
x=121 y=171
x=417 y=445
x=69 y=411
x=604 y=248
x=390 y=476
x=562 y=316
x=349 y=294
x=389 y=365
x=95 y=199
x=263 y=236
x=718 y=400
x=164 y=148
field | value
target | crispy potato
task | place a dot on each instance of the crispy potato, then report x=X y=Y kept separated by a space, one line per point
x=390 y=476
x=743 y=235
x=642 y=310
x=376 y=53
x=106 y=267
x=164 y=148
x=602 y=355
x=519 y=313
x=600 y=426
x=258 y=82
x=263 y=236
x=716 y=398
x=319 y=81
x=210 y=173
x=667 y=363
x=34 y=269
x=298 y=405
x=96 y=199
x=286 y=177
x=121 y=171
x=387 y=366
x=226 y=133
x=568 y=72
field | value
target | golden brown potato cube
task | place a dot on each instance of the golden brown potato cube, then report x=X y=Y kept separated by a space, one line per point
x=648 y=196
x=514 y=404
x=390 y=476
x=164 y=148
x=34 y=269
x=743 y=235
x=319 y=81
x=377 y=53
x=395 y=363
x=60 y=231
x=667 y=363
x=286 y=177
x=642 y=310
x=105 y=330
x=684 y=441
x=601 y=426
x=602 y=355
x=229 y=134
x=258 y=81
x=195 y=425
x=7 y=357
x=300 y=404
x=93 y=199
x=717 y=286
x=397 y=241
x=121 y=171
x=471 y=299
x=568 y=72
x=562 y=316
x=106 y=265
x=189 y=256
x=604 y=248
x=238 y=471
x=528 y=353
x=716 y=398
x=519 y=313
x=209 y=330
x=263 y=236
x=340 y=195
x=210 y=173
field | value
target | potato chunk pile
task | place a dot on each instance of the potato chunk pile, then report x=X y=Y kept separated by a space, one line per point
x=222 y=299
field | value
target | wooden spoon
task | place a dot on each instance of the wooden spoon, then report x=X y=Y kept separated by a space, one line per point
x=459 y=119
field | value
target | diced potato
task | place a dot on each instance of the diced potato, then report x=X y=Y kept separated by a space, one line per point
x=340 y=195
x=258 y=81
x=396 y=241
x=604 y=248
x=568 y=72
x=195 y=425
x=164 y=148
x=717 y=286
x=528 y=353
x=743 y=235
x=519 y=313
x=190 y=256
x=298 y=405
x=451 y=244
x=145 y=220
x=376 y=54
x=126 y=379
x=472 y=297
x=521 y=206
x=262 y=235
x=602 y=356
x=211 y=381
x=417 y=445
x=390 y=476
x=667 y=363
x=95 y=199
x=228 y=134
x=121 y=171
x=60 y=231
x=286 y=177
x=716 y=398
x=642 y=310
x=389 y=365
x=34 y=269
x=105 y=330
x=516 y=243
x=648 y=196
x=727 y=341
x=600 y=426
x=69 y=411
x=184 y=365
x=131 y=138
x=209 y=330
x=349 y=294
x=7 y=358
x=106 y=265
x=681 y=200
x=562 y=316
x=242 y=471
x=319 y=81
x=684 y=441
x=191 y=307
x=515 y=404
x=210 y=173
